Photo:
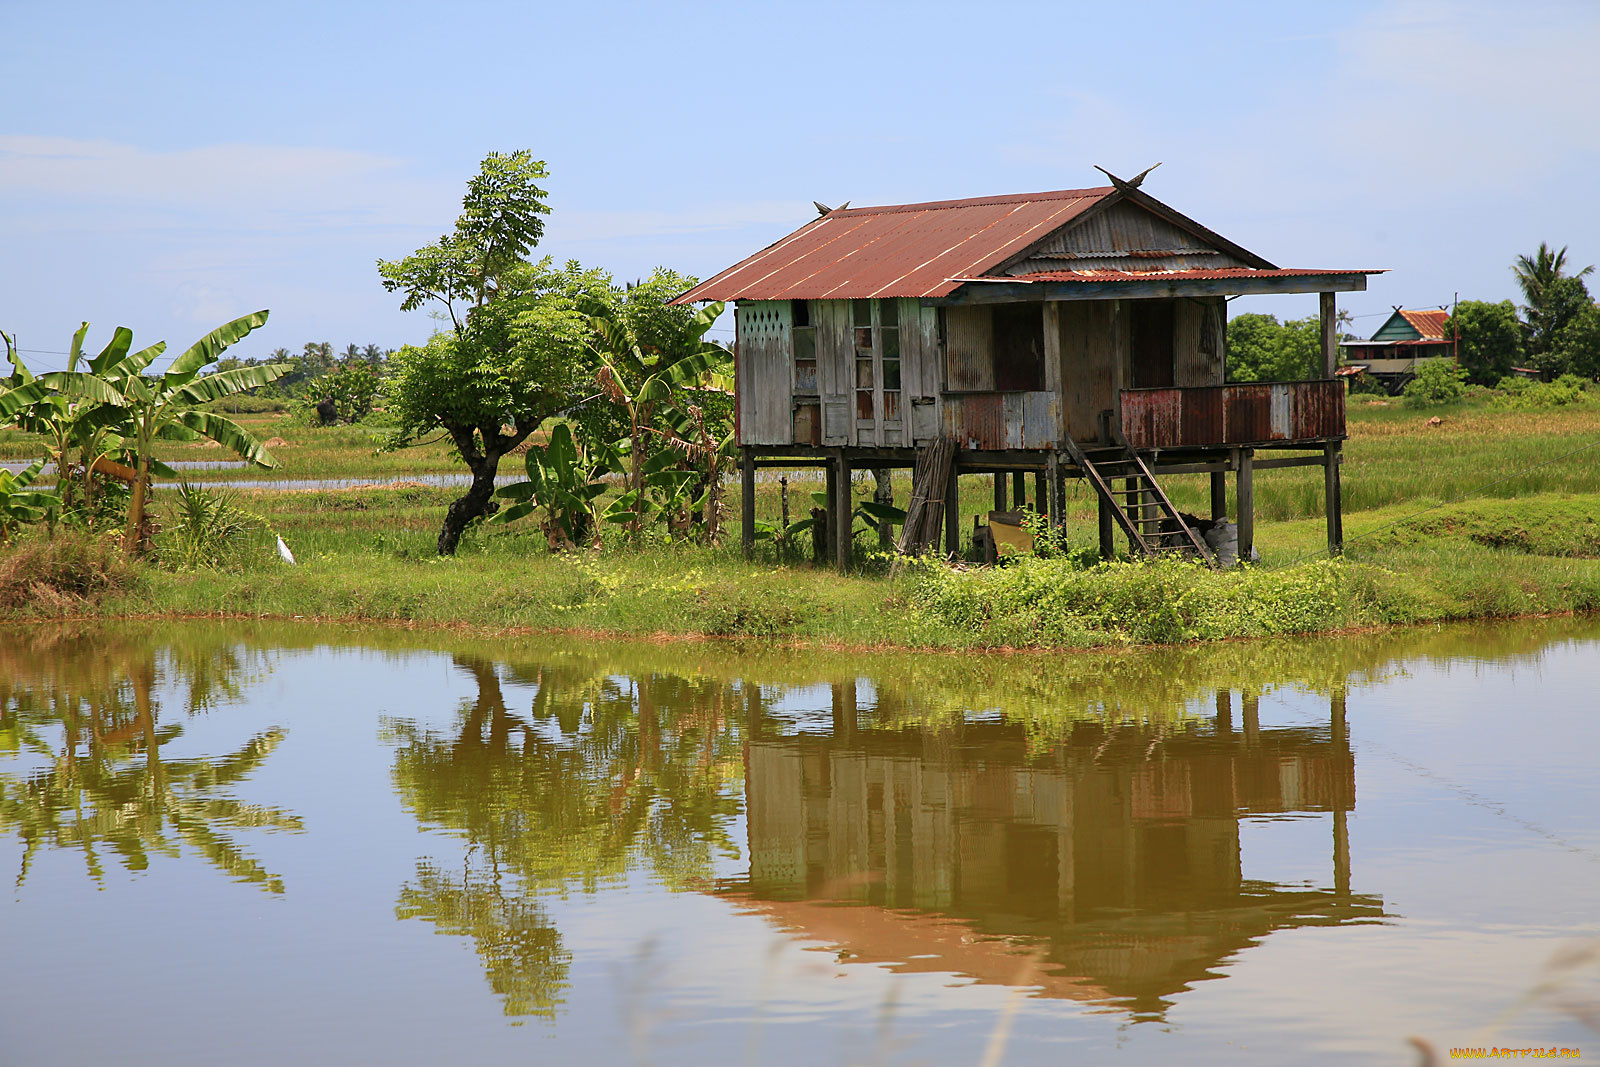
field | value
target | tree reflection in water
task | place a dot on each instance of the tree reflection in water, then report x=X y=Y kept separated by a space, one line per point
x=85 y=712
x=603 y=775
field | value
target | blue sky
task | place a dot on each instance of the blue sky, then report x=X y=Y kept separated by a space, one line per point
x=171 y=166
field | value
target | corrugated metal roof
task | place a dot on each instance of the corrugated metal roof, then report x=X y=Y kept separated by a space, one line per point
x=915 y=250
x=1191 y=274
x=1430 y=324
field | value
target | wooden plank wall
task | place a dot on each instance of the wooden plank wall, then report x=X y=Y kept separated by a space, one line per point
x=835 y=371
x=765 y=373
x=921 y=368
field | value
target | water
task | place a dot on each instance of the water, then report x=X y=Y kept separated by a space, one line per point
x=270 y=844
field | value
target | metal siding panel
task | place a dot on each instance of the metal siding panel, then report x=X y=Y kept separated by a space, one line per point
x=1280 y=423
x=976 y=420
x=1041 y=420
x=1242 y=414
x=1012 y=414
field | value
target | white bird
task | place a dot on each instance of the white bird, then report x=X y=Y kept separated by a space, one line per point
x=283 y=550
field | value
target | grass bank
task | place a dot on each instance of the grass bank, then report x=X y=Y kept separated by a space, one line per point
x=1469 y=561
x=1525 y=545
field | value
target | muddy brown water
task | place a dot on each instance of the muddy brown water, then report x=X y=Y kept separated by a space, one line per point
x=272 y=844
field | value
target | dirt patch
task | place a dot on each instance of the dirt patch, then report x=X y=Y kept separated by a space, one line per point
x=278 y=442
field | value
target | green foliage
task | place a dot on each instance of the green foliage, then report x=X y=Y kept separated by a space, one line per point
x=1490 y=339
x=352 y=389
x=1552 y=298
x=1576 y=346
x=500 y=223
x=20 y=504
x=1526 y=393
x=1261 y=349
x=209 y=528
x=1437 y=381
x=564 y=479
x=1058 y=602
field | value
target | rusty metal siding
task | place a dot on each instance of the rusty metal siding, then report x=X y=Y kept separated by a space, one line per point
x=998 y=421
x=765 y=398
x=1250 y=413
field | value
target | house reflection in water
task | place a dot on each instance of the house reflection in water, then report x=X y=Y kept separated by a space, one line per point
x=1110 y=857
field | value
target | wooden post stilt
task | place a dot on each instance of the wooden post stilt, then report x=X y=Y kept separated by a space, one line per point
x=1224 y=713
x=1219 y=495
x=1019 y=490
x=1341 y=827
x=1000 y=490
x=1041 y=496
x=747 y=500
x=1328 y=306
x=952 y=512
x=1332 y=502
x=1247 y=504
x=1108 y=530
x=843 y=512
x=830 y=523
x=1058 y=490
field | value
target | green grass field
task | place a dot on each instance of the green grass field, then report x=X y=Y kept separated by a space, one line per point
x=1476 y=516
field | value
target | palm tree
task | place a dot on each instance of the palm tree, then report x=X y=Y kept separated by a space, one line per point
x=372 y=354
x=1552 y=296
x=352 y=352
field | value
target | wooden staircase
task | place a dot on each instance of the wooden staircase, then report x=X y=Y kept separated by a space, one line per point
x=1140 y=506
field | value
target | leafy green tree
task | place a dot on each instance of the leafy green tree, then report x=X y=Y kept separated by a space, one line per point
x=353 y=388
x=1552 y=297
x=517 y=353
x=1490 y=339
x=1262 y=349
x=1576 y=348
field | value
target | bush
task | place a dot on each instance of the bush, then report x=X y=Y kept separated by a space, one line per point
x=1438 y=381
x=62 y=573
x=1059 y=602
x=210 y=529
x=1523 y=393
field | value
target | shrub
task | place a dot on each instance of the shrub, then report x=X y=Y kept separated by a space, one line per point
x=210 y=529
x=1524 y=393
x=1438 y=381
x=53 y=575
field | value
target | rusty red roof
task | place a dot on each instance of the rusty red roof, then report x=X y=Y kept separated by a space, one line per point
x=1430 y=324
x=915 y=250
x=1193 y=274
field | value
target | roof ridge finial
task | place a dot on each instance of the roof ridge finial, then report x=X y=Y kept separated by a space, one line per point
x=1129 y=183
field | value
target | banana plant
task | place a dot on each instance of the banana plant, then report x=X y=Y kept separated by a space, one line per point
x=19 y=504
x=167 y=406
x=641 y=404
x=564 y=480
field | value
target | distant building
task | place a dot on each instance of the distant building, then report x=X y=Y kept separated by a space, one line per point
x=1390 y=356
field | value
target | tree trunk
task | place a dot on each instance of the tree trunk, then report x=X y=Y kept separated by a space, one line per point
x=484 y=464
x=474 y=503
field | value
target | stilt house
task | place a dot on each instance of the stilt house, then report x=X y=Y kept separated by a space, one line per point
x=1079 y=333
x=1405 y=338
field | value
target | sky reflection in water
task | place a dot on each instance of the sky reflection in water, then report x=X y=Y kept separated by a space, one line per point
x=246 y=838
